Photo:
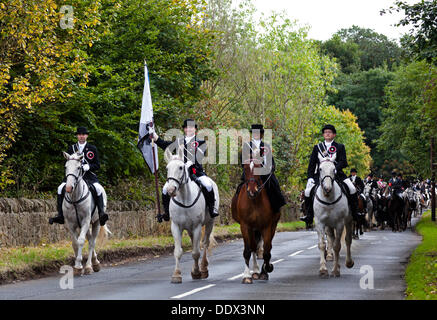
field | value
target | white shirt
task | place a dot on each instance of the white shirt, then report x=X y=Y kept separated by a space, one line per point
x=256 y=142
x=328 y=144
x=187 y=139
x=81 y=146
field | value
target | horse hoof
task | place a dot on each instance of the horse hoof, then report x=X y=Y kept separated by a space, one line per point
x=204 y=274
x=195 y=276
x=176 y=279
x=350 y=264
x=324 y=274
x=335 y=274
x=247 y=281
x=77 y=272
x=263 y=276
x=96 y=267
x=255 y=276
x=88 y=270
x=269 y=267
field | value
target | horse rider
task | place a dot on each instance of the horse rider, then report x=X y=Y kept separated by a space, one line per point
x=262 y=149
x=336 y=152
x=356 y=180
x=194 y=150
x=90 y=164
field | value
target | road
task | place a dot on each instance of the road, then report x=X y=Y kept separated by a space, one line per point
x=296 y=261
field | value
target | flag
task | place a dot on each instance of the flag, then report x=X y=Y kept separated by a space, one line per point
x=146 y=122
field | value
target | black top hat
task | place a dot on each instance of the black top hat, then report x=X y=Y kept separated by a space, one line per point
x=370 y=175
x=329 y=127
x=393 y=173
x=353 y=170
x=189 y=122
x=82 y=130
x=257 y=127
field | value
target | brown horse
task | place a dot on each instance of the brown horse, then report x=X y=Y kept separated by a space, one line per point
x=251 y=208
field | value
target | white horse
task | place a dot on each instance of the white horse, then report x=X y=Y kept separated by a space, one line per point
x=369 y=204
x=188 y=212
x=331 y=215
x=78 y=208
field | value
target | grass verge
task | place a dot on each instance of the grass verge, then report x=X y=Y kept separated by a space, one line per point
x=421 y=273
x=24 y=263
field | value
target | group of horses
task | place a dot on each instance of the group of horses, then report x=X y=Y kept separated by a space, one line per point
x=250 y=207
x=379 y=208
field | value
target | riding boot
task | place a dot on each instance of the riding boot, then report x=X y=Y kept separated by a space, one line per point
x=309 y=213
x=210 y=201
x=166 y=205
x=60 y=218
x=103 y=217
x=353 y=201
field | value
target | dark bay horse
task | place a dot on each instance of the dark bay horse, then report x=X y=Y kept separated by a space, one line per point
x=251 y=208
x=395 y=209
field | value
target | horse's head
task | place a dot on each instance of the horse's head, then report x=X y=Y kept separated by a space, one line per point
x=253 y=180
x=73 y=168
x=327 y=175
x=177 y=174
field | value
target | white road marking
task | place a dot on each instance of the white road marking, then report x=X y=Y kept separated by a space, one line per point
x=236 y=277
x=192 y=292
x=277 y=261
x=295 y=253
x=312 y=247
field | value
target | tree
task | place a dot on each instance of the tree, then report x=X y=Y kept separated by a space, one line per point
x=39 y=60
x=422 y=17
x=347 y=53
x=376 y=49
x=409 y=121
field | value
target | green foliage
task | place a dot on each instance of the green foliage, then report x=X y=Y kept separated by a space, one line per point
x=421 y=16
x=409 y=120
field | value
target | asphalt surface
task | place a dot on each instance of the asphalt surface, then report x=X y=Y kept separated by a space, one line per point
x=296 y=260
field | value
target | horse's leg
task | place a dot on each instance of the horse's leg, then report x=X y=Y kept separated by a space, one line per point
x=206 y=243
x=247 y=235
x=337 y=247
x=329 y=254
x=196 y=235
x=81 y=242
x=348 y=240
x=255 y=268
x=177 y=236
x=323 y=271
x=91 y=236
x=95 y=261
x=267 y=235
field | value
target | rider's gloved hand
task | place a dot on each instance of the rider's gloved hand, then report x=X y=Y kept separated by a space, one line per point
x=86 y=167
x=311 y=180
x=153 y=134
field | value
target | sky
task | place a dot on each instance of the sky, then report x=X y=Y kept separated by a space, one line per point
x=325 y=17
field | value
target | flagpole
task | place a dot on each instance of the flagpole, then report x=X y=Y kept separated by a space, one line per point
x=159 y=216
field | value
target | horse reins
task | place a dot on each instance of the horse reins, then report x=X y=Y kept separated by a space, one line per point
x=82 y=198
x=183 y=180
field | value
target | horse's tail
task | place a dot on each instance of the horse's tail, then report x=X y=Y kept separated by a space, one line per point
x=104 y=233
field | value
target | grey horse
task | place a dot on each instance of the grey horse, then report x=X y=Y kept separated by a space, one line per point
x=78 y=208
x=331 y=215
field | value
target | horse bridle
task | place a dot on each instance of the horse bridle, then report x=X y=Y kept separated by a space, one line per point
x=321 y=185
x=183 y=179
x=260 y=187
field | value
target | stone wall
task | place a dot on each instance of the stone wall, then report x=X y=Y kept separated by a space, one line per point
x=24 y=222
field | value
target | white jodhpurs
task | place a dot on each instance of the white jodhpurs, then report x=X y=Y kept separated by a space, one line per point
x=350 y=185
x=347 y=181
x=98 y=186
